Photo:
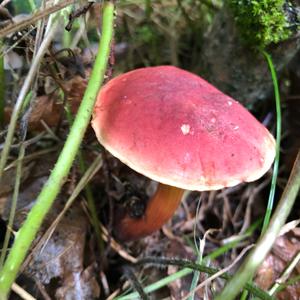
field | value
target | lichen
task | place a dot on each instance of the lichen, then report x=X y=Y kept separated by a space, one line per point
x=261 y=22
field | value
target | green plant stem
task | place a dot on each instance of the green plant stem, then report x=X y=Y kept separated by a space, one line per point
x=28 y=231
x=244 y=295
x=199 y=250
x=148 y=9
x=290 y=282
x=277 y=155
x=13 y=203
x=2 y=87
x=50 y=32
x=264 y=245
x=278 y=140
x=92 y=209
x=22 y=95
x=87 y=176
x=196 y=277
x=32 y=5
x=186 y=271
x=129 y=274
x=88 y=191
x=157 y=285
x=285 y=274
x=208 y=270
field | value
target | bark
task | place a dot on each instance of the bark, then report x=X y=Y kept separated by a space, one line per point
x=237 y=69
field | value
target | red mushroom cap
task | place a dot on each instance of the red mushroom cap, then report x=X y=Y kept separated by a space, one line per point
x=174 y=127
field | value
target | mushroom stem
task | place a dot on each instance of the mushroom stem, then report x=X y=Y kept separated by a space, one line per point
x=160 y=208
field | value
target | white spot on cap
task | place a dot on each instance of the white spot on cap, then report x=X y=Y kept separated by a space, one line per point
x=229 y=103
x=187 y=158
x=234 y=126
x=185 y=128
x=213 y=120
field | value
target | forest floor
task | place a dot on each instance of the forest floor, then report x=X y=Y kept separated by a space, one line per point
x=70 y=257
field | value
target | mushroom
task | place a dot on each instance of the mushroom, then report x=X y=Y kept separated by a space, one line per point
x=174 y=127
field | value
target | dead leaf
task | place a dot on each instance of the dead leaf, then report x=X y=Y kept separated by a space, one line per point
x=283 y=251
x=59 y=258
x=47 y=109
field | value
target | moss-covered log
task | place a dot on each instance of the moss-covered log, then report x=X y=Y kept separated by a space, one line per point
x=231 y=57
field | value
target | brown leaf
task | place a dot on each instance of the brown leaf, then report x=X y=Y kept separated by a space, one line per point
x=75 y=88
x=8 y=179
x=80 y=285
x=47 y=109
x=285 y=248
x=60 y=257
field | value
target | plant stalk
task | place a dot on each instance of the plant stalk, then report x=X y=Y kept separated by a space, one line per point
x=22 y=95
x=278 y=142
x=2 y=86
x=264 y=245
x=28 y=231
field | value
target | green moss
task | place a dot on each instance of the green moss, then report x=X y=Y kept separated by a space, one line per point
x=261 y=22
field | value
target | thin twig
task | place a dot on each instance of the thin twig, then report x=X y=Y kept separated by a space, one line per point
x=191 y=265
x=219 y=273
x=135 y=283
x=21 y=292
x=22 y=95
x=285 y=275
x=116 y=246
x=52 y=187
x=13 y=204
x=87 y=176
x=33 y=19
